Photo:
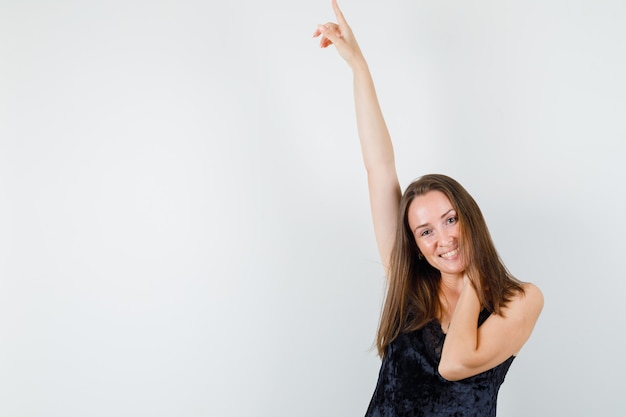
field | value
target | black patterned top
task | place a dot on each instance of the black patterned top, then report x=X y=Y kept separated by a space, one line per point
x=409 y=384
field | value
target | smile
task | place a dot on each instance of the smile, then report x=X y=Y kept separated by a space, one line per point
x=450 y=254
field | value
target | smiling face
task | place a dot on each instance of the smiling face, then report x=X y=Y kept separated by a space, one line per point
x=435 y=227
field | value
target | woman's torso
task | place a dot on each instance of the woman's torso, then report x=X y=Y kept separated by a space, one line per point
x=409 y=384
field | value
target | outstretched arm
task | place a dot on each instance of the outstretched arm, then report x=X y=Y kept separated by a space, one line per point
x=384 y=188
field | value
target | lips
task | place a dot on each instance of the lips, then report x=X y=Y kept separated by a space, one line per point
x=450 y=254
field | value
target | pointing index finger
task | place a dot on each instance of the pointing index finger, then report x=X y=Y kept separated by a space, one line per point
x=340 y=19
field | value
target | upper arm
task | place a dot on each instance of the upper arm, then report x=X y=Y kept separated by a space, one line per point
x=502 y=336
x=385 y=194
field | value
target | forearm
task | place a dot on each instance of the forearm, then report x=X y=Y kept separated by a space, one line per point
x=374 y=136
x=460 y=348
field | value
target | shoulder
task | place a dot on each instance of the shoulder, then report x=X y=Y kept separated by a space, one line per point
x=526 y=305
x=532 y=295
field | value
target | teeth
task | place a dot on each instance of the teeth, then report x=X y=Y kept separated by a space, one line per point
x=449 y=254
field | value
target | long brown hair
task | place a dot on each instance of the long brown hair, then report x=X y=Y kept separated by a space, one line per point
x=413 y=284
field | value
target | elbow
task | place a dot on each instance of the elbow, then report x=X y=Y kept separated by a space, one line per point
x=451 y=371
x=457 y=364
x=459 y=361
x=456 y=369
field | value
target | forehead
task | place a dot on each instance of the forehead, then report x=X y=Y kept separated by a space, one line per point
x=428 y=208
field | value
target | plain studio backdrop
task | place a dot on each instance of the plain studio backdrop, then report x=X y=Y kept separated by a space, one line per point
x=184 y=221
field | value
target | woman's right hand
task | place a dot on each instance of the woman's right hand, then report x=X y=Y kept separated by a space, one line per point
x=340 y=35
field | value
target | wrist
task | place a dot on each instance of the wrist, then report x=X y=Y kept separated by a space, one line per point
x=358 y=64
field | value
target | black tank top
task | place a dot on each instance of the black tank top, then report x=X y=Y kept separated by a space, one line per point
x=409 y=384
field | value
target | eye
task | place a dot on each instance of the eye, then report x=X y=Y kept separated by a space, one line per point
x=452 y=220
x=425 y=232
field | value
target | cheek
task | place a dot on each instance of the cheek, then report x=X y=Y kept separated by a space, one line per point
x=423 y=246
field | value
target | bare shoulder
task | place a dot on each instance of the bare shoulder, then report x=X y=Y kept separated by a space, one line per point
x=527 y=304
x=533 y=296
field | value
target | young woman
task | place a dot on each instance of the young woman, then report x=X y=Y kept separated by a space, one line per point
x=454 y=317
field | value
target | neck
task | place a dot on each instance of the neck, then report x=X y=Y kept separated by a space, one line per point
x=451 y=284
x=450 y=288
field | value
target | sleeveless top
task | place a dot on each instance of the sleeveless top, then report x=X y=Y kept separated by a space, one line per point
x=409 y=384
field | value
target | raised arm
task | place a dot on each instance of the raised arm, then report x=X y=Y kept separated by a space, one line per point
x=376 y=147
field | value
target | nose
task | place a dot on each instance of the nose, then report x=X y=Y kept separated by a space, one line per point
x=445 y=238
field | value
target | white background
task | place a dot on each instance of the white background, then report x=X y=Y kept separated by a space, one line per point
x=184 y=223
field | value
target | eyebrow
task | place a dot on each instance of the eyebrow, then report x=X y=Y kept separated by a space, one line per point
x=426 y=224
